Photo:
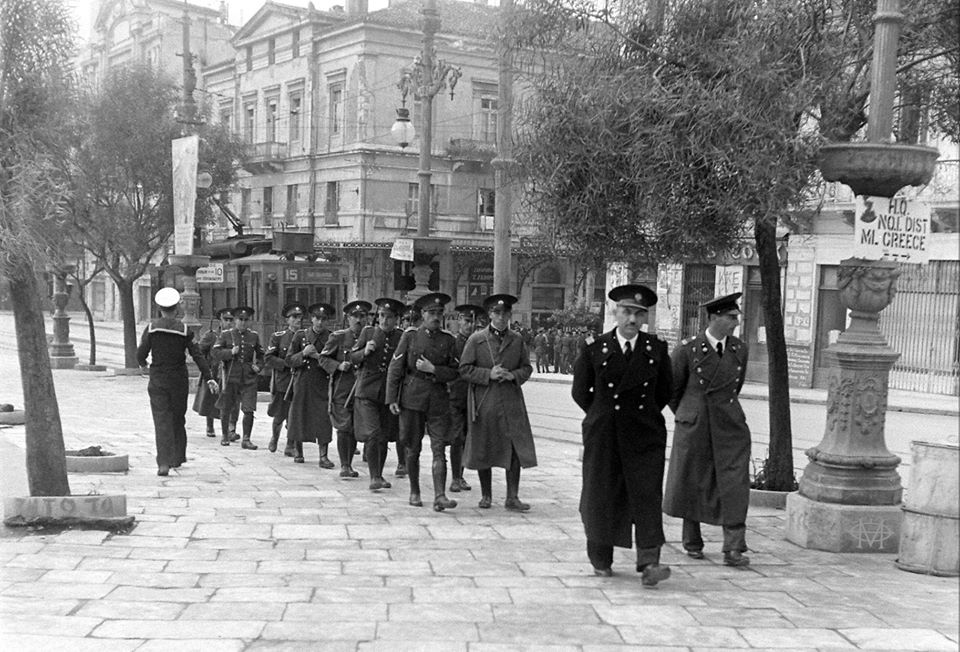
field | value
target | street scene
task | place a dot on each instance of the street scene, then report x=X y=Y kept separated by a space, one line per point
x=479 y=325
x=244 y=550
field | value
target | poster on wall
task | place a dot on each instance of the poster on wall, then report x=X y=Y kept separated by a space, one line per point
x=185 y=151
x=895 y=228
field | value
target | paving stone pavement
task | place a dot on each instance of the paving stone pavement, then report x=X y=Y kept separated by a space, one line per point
x=244 y=550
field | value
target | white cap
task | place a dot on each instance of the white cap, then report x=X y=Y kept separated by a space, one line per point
x=167 y=297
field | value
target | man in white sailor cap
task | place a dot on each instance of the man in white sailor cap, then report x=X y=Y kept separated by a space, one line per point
x=166 y=341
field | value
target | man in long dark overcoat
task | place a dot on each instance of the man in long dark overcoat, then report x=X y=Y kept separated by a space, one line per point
x=709 y=476
x=205 y=401
x=281 y=374
x=496 y=363
x=240 y=351
x=622 y=381
x=468 y=317
x=335 y=358
x=309 y=418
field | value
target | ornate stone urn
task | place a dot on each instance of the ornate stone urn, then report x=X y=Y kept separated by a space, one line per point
x=878 y=169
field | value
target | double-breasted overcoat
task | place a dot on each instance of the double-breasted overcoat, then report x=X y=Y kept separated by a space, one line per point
x=497 y=421
x=624 y=438
x=709 y=475
x=309 y=417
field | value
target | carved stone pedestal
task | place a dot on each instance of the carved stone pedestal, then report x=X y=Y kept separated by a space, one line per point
x=189 y=297
x=850 y=492
x=426 y=251
x=62 y=354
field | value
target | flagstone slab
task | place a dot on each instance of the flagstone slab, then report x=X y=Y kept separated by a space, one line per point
x=17 y=606
x=547 y=597
x=196 y=645
x=249 y=610
x=320 y=632
x=555 y=634
x=639 y=615
x=140 y=593
x=358 y=594
x=387 y=568
x=898 y=639
x=179 y=629
x=450 y=630
x=131 y=610
x=337 y=611
x=66 y=644
x=465 y=593
x=41 y=560
x=771 y=638
x=263 y=594
x=429 y=613
x=58 y=590
x=61 y=625
x=664 y=633
x=309 y=532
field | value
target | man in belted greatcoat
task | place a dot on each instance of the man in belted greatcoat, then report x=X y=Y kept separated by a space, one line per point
x=373 y=423
x=468 y=316
x=240 y=351
x=335 y=358
x=622 y=380
x=496 y=363
x=281 y=374
x=309 y=418
x=167 y=341
x=708 y=480
x=425 y=361
x=205 y=401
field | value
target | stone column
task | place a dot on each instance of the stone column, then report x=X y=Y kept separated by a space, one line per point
x=850 y=492
x=62 y=355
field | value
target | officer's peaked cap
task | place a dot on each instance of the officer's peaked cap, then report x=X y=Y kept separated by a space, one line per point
x=469 y=309
x=720 y=305
x=357 y=308
x=633 y=295
x=432 y=301
x=322 y=310
x=392 y=305
x=499 y=302
x=294 y=307
x=245 y=312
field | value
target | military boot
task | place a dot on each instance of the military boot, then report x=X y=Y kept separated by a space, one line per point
x=413 y=473
x=440 y=501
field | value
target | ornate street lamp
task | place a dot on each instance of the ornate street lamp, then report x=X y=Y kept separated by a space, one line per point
x=850 y=491
x=428 y=76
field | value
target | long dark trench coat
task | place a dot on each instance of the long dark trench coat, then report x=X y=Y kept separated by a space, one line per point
x=309 y=416
x=497 y=420
x=709 y=475
x=624 y=439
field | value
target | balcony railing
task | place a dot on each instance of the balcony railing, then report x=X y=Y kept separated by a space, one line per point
x=265 y=157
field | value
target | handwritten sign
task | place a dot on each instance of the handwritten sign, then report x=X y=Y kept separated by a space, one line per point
x=892 y=227
x=402 y=249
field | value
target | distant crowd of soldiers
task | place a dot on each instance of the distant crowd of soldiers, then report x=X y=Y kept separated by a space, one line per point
x=556 y=349
x=392 y=375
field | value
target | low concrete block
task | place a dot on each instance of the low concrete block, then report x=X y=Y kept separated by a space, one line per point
x=91 y=367
x=97 y=464
x=55 y=507
x=63 y=362
x=843 y=528
x=14 y=418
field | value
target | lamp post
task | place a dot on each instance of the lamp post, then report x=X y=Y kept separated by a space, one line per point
x=62 y=355
x=428 y=76
x=850 y=491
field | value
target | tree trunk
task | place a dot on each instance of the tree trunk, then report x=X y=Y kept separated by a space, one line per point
x=779 y=465
x=129 y=317
x=46 y=461
x=90 y=328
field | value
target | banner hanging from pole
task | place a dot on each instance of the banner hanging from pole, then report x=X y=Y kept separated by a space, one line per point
x=185 y=153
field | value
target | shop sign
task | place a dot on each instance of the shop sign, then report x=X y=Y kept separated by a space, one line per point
x=892 y=227
x=212 y=273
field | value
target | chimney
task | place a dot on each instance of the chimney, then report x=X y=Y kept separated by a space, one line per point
x=357 y=7
x=224 y=13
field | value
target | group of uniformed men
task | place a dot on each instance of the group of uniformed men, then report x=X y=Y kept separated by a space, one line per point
x=381 y=383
